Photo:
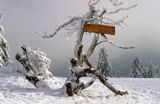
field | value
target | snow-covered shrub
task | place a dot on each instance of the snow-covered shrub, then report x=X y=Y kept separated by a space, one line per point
x=40 y=62
x=35 y=62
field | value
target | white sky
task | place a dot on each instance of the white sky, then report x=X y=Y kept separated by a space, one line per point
x=23 y=17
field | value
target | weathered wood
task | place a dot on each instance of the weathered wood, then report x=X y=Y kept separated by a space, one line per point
x=98 y=28
x=103 y=80
x=69 y=89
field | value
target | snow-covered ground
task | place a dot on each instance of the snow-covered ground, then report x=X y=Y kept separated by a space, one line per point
x=14 y=89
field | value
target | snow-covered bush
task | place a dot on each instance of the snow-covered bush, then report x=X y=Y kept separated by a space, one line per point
x=35 y=65
x=39 y=62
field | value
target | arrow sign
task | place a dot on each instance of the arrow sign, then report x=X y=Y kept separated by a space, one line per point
x=98 y=28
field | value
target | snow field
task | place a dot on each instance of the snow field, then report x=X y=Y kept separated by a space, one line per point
x=14 y=89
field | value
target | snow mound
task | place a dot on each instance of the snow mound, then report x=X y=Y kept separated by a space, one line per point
x=15 y=89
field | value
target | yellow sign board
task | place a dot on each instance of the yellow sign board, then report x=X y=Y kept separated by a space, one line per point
x=98 y=28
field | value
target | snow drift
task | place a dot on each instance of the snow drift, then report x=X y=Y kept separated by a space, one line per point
x=15 y=89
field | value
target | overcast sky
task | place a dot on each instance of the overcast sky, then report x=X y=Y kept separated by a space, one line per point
x=24 y=17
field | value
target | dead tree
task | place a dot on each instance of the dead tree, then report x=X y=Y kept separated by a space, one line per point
x=35 y=66
x=77 y=25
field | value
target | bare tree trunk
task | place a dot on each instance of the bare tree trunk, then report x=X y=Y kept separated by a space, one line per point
x=104 y=81
x=69 y=89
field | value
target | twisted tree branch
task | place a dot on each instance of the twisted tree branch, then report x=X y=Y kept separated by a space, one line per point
x=62 y=26
x=115 y=45
x=122 y=9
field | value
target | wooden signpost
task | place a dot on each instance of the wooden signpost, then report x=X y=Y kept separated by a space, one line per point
x=98 y=28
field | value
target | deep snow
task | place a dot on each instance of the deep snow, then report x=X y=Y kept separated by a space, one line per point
x=14 y=89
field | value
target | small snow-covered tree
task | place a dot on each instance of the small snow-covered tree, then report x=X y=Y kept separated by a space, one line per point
x=153 y=71
x=157 y=72
x=104 y=65
x=35 y=65
x=4 y=55
x=141 y=71
x=150 y=71
x=76 y=25
x=137 y=69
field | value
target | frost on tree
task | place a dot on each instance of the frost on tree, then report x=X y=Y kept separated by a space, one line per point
x=73 y=84
x=81 y=65
x=4 y=56
x=141 y=71
x=35 y=65
x=153 y=71
x=104 y=65
x=157 y=72
x=138 y=69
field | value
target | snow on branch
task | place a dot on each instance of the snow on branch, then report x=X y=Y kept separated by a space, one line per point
x=77 y=19
x=1 y=27
x=122 y=9
x=93 y=2
x=115 y=45
x=62 y=26
x=116 y=2
x=114 y=22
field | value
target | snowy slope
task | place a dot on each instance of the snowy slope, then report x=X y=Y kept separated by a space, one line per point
x=14 y=89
